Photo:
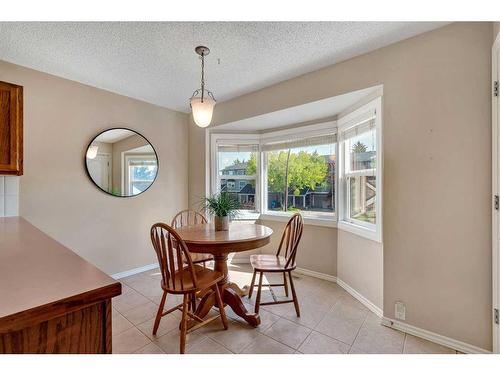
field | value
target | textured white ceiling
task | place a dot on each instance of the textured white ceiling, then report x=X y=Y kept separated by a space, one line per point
x=155 y=61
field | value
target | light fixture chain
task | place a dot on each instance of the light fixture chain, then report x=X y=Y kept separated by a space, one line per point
x=202 y=75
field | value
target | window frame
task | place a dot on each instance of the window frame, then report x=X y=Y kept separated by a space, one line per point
x=228 y=139
x=319 y=129
x=347 y=123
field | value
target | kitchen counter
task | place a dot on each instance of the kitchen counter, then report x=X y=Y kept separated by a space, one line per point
x=51 y=300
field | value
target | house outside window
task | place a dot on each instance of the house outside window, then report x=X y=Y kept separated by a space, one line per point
x=237 y=173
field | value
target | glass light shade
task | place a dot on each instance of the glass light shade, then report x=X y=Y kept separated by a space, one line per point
x=92 y=152
x=202 y=111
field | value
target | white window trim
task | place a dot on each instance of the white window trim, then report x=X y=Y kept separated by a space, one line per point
x=358 y=227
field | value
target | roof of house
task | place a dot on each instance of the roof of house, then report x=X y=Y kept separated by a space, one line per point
x=236 y=166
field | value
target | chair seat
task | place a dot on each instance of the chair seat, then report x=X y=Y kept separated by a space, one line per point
x=200 y=258
x=205 y=278
x=270 y=263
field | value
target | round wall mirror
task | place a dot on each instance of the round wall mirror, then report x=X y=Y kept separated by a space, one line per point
x=121 y=162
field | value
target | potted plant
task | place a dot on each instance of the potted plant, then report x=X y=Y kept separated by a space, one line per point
x=223 y=207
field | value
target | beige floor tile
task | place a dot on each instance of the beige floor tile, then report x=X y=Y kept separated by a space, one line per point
x=288 y=333
x=266 y=345
x=376 y=338
x=128 y=301
x=208 y=346
x=267 y=319
x=316 y=343
x=167 y=324
x=416 y=345
x=129 y=341
x=235 y=338
x=119 y=323
x=126 y=289
x=342 y=322
x=311 y=311
x=150 y=348
x=148 y=288
x=170 y=342
x=142 y=313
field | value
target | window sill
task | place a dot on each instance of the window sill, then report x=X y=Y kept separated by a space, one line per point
x=320 y=222
x=360 y=230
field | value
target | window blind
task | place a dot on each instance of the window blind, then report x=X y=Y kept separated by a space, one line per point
x=238 y=148
x=360 y=128
x=300 y=142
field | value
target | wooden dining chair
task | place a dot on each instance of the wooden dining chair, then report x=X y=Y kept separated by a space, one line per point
x=180 y=276
x=187 y=218
x=284 y=264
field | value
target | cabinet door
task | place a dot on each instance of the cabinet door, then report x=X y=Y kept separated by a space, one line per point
x=11 y=129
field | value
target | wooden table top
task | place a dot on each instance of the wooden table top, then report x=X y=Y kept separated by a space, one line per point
x=37 y=271
x=240 y=237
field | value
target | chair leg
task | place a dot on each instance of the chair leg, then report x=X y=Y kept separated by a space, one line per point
x=185 y=306
x=285 y=284
x=193 y=302
x=257 y=301
x=160 y=311
x=295 y=299
x=252 y=284
x=220 y=304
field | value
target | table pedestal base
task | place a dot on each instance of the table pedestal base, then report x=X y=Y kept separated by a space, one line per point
x=231 y=295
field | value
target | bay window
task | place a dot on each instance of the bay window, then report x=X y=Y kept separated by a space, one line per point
x=330 y=172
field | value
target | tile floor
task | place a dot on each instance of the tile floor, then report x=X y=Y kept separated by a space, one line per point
x=331 y=322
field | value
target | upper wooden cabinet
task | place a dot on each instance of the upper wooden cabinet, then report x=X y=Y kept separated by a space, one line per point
x=11 y=129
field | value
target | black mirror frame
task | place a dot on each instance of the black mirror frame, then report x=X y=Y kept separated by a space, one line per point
x=107 y=192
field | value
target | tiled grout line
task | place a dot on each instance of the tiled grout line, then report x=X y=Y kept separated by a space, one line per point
x=357 y=333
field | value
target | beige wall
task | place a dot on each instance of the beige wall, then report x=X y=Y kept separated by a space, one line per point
x=437 y=170
x=360 y=264
x=55 y=193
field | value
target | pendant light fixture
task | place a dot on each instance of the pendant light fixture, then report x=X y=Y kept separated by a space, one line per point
x=202 y=101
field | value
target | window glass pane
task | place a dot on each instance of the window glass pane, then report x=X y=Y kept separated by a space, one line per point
x=237 y=173
x=362 y=192
x=144 y=173
x=361 y=151
x=302 y=179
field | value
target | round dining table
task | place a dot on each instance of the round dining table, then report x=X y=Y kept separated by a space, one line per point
x=203 y=238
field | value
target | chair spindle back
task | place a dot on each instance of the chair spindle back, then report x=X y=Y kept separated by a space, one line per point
x=291 y=238
x=187 y=218
x=174 y=258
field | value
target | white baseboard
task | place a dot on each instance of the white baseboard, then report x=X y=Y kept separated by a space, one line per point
x=434 y=337
x=318 y=275
x=365 y=301
x=121 y=275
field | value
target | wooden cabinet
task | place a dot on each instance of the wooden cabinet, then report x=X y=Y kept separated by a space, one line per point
x=11 y=129
x=51 y=300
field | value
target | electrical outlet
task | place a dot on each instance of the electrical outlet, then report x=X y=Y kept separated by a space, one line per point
x=400 y=310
